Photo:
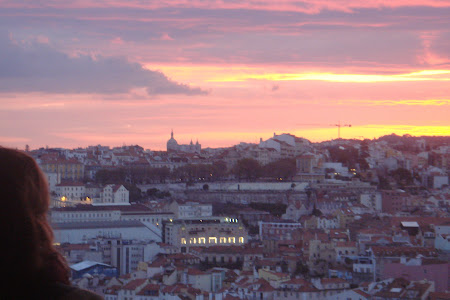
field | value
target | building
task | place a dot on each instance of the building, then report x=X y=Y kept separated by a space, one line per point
x=173 y=146
x=278 y=230
x=371 y=200
x=126 y=254
x=384 y=255
x=110 y=213
x=330 y=286
x=307 y=168
x=71 y=191
x=114 y=194
x=189 y=209
x=78 y=270
x=65 y=169
x=223 y=255
x=418 y=269
x=80 y=232
x=393 y=201
x=204 y=232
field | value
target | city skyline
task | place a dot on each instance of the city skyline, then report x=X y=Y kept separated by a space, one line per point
x=81 y=73
x=184 y=144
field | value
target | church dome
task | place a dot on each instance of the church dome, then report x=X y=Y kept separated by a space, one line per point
x=172 y=143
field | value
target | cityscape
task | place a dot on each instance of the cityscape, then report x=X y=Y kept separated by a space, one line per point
x=284 y=218
x=225 y=150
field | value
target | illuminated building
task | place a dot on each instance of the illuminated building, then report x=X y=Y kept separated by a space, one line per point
x=212 y=231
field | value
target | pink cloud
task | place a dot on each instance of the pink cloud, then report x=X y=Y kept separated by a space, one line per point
x=117 y=41
x=305 y=6
x=428 y=56
x=166 y=37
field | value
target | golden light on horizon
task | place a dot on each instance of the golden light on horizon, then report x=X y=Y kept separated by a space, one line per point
x=425 y=75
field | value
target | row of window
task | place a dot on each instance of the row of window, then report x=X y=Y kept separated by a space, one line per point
x=212 y=240
x=84 y=215
x=290 y=226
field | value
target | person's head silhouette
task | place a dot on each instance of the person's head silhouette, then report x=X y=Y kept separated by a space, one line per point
x=28 y=257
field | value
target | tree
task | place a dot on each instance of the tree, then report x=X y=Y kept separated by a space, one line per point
x=281 y=169
x=275 y=209
x=219 y=170
x=301 y=268
x=247 y=168
x=383 y=183
x=135 y=192
x=162 y=173
x=106 y=176
x=316 y=212
x=402 y=177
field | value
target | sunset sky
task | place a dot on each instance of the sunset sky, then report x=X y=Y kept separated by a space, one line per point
x=84 y=72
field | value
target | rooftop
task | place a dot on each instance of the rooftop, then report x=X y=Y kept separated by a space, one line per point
x=95 y=225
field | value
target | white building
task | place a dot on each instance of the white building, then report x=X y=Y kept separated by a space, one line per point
x=80 y=232
x=53 y=180
x=114 y=194
x=327 y=222
x=71 y=191
x=108 y=213
x=371 y=200
x=190 y=209
x=204 y=232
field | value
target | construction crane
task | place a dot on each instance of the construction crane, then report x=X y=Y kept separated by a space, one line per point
x=339 y=125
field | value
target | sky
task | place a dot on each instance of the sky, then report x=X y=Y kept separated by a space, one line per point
x=84 y=72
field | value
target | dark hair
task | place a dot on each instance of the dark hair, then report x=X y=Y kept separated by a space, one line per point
x=27 y=256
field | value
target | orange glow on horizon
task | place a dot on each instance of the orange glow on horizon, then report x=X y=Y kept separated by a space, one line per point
x=218 y=139
x=197 y=74
x=425 y=75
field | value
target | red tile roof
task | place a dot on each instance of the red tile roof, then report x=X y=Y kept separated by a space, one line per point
x=134 y=284
x=403 y=251
x=149 y=288
x=195 y=272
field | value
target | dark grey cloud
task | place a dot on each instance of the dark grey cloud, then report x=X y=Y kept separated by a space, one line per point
x=37 y=67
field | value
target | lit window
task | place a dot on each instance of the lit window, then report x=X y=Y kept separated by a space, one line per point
x=241 y=239
x=212 y=240
x=202 y=240
x=183 y=241
x=231 y=240
x=192 y=241
x=223 y=240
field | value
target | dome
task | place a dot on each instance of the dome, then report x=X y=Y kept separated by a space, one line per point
x=172 y=143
